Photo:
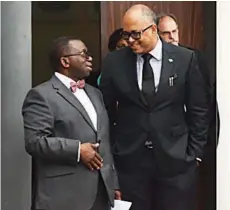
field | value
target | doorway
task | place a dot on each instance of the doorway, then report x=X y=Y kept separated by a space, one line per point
x=59 y=18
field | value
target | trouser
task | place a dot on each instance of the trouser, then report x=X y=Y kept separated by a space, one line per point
x=148 y=191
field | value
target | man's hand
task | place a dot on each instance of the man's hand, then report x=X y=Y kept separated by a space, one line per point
x=117 y=195
x=90 y=156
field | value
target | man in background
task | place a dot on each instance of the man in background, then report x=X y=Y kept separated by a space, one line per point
x=168 y=30
x=67 y=133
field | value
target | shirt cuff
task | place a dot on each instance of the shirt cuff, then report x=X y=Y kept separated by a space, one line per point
x=198 y=159
x=79 y=150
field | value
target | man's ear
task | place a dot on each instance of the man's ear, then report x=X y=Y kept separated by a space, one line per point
x=64 y=62
x=154 y=29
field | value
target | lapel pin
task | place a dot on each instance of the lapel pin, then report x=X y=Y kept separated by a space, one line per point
x=170 y=60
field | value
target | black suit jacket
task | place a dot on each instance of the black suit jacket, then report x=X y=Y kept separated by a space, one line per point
x=214 y=113
x=54 y=122
x=178 y=136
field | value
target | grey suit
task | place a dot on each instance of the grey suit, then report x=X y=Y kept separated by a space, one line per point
x=54 y=121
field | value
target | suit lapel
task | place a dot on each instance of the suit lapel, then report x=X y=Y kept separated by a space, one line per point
x=132 y=79
x=167 y=70
x=63 y=91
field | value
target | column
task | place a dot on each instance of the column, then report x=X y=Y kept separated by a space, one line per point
x=16 y=81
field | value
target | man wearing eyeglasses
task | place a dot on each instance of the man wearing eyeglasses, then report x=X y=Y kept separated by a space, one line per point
x=156 y=144
x=67 y=133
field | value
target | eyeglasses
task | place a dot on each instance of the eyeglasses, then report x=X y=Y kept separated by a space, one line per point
x=134 y=34
x=84 y=54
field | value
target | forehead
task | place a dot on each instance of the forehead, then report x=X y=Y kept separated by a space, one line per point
x=77 y=44
x=134 y=24
x=167 y=24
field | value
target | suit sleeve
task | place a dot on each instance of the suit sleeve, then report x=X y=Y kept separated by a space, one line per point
x=214 y=113
x=38 y=131
x=197 y=104
x=108 y=90
x=116 y=182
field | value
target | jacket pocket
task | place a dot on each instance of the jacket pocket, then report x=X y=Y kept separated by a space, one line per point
x=56 y=171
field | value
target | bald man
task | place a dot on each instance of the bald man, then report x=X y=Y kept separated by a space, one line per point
x=156 y=144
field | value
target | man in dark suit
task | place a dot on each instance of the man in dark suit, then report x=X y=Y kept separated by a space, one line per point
x=156 y=144
x=168 y=30
x=67 y=134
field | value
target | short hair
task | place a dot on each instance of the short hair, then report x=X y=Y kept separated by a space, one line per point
x=58 y=48
x=149 y=14
x=114 y=38
x=163 y=15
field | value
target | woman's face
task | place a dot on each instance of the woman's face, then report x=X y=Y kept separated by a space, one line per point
x=122 y=43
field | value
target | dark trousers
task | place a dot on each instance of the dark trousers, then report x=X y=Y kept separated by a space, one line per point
x=102 y=200
x=147 y=191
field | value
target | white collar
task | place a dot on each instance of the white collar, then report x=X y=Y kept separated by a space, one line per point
x=156 y=52
x=64 y=79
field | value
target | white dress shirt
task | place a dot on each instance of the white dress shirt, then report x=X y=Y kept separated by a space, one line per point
x=155 y=62
x=83 y=99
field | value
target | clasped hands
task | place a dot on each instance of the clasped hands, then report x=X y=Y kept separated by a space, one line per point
x=90 y=157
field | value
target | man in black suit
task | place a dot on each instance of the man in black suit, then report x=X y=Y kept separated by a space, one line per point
x=67 y=133
x=156 y=144
x=168 y=30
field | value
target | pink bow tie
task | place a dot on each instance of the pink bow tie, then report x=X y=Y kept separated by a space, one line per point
x=79 y=84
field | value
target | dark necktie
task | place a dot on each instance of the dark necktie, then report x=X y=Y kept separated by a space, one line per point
x=148 y=83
